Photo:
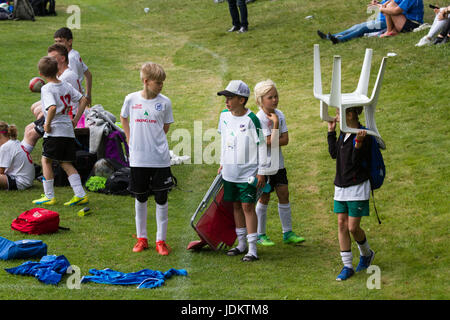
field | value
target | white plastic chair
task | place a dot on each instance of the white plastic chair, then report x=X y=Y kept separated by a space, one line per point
x=359 y=97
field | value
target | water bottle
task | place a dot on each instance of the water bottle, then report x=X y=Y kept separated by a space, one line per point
x=254 y=181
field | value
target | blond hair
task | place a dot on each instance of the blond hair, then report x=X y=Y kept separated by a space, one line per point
x=262 y=88
x=9 y=131
x=152 y=71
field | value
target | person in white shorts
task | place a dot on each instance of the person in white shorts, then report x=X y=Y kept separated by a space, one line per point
x=146 y=116
x=16 y=166
x=59 y=138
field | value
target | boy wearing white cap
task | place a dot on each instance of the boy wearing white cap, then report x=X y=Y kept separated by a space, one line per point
x=239 y=129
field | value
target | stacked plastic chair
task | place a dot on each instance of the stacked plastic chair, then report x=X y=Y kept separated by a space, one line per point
x=343 y=101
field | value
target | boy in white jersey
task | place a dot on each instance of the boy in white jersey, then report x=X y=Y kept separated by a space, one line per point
x=59 y=138
x=239 y=130
x=35 y=130
x=273 y=124
x=64 y=36
x=146 y=116
x=16 y=165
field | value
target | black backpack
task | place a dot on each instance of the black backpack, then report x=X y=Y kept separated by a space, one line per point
x=5 y=15
x=40 y=7
x=118 y=182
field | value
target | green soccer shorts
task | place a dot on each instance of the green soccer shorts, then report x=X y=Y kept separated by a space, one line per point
x=354 y=209
x=239 y=192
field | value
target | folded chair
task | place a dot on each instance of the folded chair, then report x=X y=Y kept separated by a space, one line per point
x=215 y=227
x=359 y=97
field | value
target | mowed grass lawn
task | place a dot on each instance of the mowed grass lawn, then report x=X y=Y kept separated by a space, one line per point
x=189 y=39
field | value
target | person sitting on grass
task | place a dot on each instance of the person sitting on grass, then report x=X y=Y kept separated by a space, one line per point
x=59 y=138
x=358 y=30
x=351 y=191
x=273 y=124
x=440 y=20
x=16 y=166
x=401 y=16
x=239 y=131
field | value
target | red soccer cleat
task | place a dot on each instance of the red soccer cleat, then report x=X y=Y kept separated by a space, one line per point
x=162 y=248
x=140 y=245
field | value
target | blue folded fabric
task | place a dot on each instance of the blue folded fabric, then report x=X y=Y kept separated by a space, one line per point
x=49 y=270
x=145 y=278
x=22 y=249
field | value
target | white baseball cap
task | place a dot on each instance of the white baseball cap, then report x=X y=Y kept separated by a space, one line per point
x=235 y=88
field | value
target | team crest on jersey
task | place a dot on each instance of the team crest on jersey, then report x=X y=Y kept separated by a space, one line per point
x=242 y=127
x=158 y=107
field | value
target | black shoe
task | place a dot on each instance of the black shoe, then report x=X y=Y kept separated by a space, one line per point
x=233 y=29
x=234 y=252
x=333 y=38
x=322 y=35
x=249 y=258
x=243 y=29
x=444 y=41
x=438 y=40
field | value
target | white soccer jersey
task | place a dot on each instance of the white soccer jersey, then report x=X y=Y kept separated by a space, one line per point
x=148 y=142
x=18 y=163
x=267 y=126
x=240 y=142
x=78 y=66
x=71 y=77
x=62 y=95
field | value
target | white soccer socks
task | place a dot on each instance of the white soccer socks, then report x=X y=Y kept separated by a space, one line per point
x=241 y=234
x=364 y=248
x=284 y=211
x=162 y=219
x=48 y=188
x=77 y=186
x=261 y=213
x=141 y=218
x=347 y=258
x=251 y=239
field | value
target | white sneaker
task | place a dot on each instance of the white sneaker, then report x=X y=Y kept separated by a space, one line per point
x=423 y=26
x=423 y=41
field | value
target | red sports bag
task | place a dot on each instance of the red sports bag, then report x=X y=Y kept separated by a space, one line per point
x=37 y=221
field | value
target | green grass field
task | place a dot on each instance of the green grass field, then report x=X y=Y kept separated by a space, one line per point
x=189 y=39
